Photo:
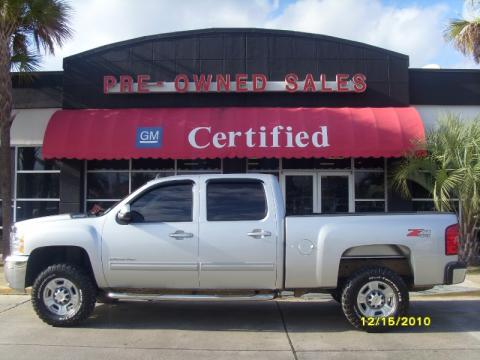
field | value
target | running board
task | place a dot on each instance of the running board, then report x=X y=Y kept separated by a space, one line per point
x=173 y=297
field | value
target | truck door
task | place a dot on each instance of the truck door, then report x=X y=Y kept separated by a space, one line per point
x=158 y=248
x=238 y=235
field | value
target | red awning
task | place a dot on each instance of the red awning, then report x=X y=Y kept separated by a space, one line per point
x=189 y=133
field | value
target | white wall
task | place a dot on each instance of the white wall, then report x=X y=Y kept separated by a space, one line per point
x=431 y=113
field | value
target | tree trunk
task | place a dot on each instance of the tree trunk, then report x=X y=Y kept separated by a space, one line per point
x=6 y=119
x=468 y=244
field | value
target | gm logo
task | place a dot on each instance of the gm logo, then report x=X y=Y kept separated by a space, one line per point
x=149 y=137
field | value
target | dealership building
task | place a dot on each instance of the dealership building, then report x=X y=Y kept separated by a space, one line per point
x=329 y=117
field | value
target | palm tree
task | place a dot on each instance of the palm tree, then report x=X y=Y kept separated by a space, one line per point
x=465 y=34
x=450 y=171
x=26 y=26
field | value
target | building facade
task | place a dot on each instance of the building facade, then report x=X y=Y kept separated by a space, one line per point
x=329 y=117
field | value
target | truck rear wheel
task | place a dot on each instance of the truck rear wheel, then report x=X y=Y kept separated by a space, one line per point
x=373 y=295
x=63 y=295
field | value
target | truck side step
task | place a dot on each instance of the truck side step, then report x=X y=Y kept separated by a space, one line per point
x=187 y=297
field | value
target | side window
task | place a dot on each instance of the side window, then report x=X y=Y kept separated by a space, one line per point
x=235 y=200
x=165 y=203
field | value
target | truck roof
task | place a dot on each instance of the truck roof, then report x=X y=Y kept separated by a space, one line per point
x=259 y=176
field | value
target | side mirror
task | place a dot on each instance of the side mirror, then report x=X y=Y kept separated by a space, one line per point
x=124 y=216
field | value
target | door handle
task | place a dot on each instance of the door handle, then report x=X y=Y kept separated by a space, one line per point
x=180 y=234
x=259 y=233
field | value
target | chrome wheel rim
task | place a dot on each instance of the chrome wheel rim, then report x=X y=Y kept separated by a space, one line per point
x=61 y=297
x=377 y=299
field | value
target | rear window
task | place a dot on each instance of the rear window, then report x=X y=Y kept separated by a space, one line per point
x=236 y=200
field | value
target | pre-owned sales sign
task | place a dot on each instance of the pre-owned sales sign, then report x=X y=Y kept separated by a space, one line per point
x=201 y=83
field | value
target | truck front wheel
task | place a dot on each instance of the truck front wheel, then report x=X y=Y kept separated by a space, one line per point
x=63 y=295
x=372 y=296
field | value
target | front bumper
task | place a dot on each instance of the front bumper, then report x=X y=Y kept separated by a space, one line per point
x=455 y=273
x=15 y=268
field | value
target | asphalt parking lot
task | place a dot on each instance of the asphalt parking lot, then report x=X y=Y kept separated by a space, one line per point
x=260 y=330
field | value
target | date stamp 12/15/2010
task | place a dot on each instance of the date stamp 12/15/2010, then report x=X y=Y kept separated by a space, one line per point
x=400 y=321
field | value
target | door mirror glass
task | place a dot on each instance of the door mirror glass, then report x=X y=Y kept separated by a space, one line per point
x=124 y=216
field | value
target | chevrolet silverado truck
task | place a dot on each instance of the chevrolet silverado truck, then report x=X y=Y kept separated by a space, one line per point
x=226 y=237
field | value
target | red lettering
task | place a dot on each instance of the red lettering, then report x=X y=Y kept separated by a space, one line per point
x=223 y=82
x=263 y=80
x=241 y=82
x=109 y=82
x=202 y=84
x=309 y=85
x=181 y=83
x=323 y=82
x=291 y=82
x=126 y=84
x=142 y=84
x=359 y=83
x=414 y=232
x=342 y=82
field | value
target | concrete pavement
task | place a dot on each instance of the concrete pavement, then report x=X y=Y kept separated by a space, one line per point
x=264 y=330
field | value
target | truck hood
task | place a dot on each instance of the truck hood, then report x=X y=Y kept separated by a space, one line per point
x=47 y=219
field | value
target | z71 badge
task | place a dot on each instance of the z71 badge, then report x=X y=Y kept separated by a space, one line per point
x=419 y=232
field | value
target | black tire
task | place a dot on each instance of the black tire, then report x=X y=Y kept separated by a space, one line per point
x=86 y=295
x=336 y=294
x=354 y=285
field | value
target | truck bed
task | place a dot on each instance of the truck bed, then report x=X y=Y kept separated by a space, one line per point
x=316 y=244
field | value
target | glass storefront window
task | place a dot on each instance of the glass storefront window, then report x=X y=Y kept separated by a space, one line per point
x=199 y=164
x=107 y=185
x=38 y=185
x=423 y=205
x=428 y=205
x=299 y=194
x=107 y=165
x=140 y=178
x=109 y=181
x=153 y=164
x=30 y=158
x=312 y=163
x=262 y=164
x=335 y=194
x=418 y=191
x=369 y=185
x=369 y=206
x=369 y=163
x=32 y=209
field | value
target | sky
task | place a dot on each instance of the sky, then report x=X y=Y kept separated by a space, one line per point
x=411 y=27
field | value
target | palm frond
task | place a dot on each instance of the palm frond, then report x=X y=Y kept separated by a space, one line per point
x=26 y=61
x=48 y=21
x=451 y=167
x=465 y=36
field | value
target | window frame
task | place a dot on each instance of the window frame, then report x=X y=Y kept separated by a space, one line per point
x=237 y=180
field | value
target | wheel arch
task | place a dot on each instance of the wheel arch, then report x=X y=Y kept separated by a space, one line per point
x=391 y=256
x=43 y=257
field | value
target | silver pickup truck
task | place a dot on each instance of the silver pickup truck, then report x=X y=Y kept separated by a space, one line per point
x=226 y=237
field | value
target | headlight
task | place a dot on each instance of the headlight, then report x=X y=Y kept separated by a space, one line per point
x=16 y=242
